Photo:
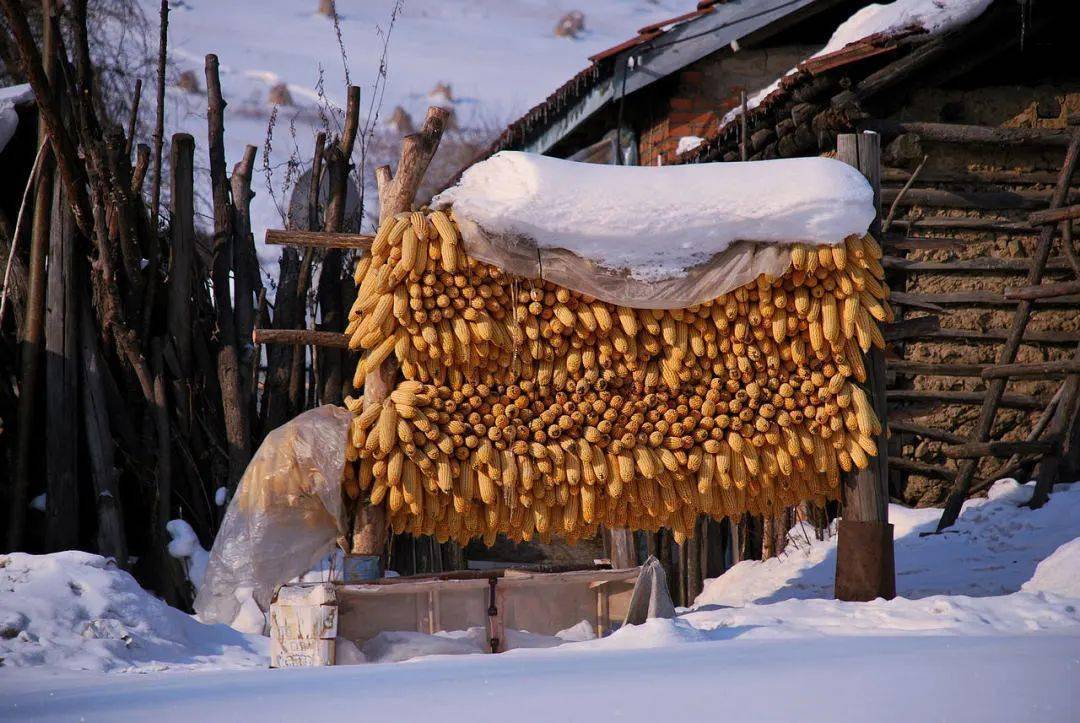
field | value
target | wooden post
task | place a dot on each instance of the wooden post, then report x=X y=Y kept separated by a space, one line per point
x=31 y=332
x=865 y=566
x=61 y=382
x=621 y=548
x=228 y=362
x=395 y=196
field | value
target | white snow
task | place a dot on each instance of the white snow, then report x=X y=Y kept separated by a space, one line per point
x=986 y=628
x=688 y=143
x=658 y=222
x=9 y=119
x=221 y=496
x=933 y=16
x=1058 y=574
x=38 y=502
x=77 y=611
x=185 y=547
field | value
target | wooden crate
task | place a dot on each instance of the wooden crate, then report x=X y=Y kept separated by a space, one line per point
x=305 y=619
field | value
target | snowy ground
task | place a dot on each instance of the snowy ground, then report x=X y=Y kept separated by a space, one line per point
x=986 y=628
x=500 y=57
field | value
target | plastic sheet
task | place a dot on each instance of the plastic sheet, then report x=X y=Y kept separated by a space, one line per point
x=738 y=264
x=286 y=514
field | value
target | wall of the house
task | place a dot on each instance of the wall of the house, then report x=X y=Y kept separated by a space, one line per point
x=699 y=96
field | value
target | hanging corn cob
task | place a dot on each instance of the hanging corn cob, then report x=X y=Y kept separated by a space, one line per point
x=527 y=408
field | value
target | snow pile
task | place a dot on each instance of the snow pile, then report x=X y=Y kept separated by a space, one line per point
x=1058 y=574
x=688 y=143
x=77 y=611
x=654 y=222
x=993 y=549
x=933 y=16
x=185 y=547
x=9 y=119
x=400 y=645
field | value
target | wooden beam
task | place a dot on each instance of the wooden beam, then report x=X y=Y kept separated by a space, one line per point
x=1042 y=370
x=938 y=435
x=318 y=239
x=1052 y=338
x=966 y=223
x=914 y=243
x=958 y=133
x=1054 y=215
x=977 y=450
x=913 y=328
x=986 y=264
x=948 y=396
x=301 y=337
x=969 y=176
x=921 y=468
x=934 y=369
x=976 y=200
x=1044 y=291
x=935 y=302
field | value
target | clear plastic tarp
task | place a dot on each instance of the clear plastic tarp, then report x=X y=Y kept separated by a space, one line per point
x=286 y=515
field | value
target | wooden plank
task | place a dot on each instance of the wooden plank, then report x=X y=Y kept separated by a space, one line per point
x=986 y=264
x=1042 y=370
x=977 y=200
x=1054 y=215
x=936 y=302
x=915 y=243
x=934 y=369
x=977 y=450
x=1053 y=338
x=921 y=468
x=1044 y=291
x=974 y=176
x=913 y=328
x=945 y=397
x=318 y=239
x=965 y=223
x=958 y=133
x=938 y=435
x=301 y=337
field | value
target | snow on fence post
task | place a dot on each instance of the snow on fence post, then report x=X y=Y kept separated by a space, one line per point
x=865 y=566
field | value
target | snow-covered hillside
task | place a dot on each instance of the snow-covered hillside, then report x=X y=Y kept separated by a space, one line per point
x=500 y=58
x=986 y=628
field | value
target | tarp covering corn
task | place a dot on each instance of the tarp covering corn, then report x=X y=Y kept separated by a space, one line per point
x=527 y=408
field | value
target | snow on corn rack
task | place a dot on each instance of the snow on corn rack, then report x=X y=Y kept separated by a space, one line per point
x=527 y=408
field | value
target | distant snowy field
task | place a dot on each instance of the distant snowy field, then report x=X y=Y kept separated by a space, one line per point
x=501 y=57
x=986 y=628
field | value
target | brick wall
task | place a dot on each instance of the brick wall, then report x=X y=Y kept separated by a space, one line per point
x=704 y=91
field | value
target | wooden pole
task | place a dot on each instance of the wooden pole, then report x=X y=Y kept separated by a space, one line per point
x=159 y=116
x=395 y=196
x=865 y=566
x=228 y=362
x=31 y=332
x=61 y=383
x=111 y=538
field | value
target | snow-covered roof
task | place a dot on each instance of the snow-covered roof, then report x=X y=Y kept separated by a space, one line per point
x=652 y=222
x=881 y=21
